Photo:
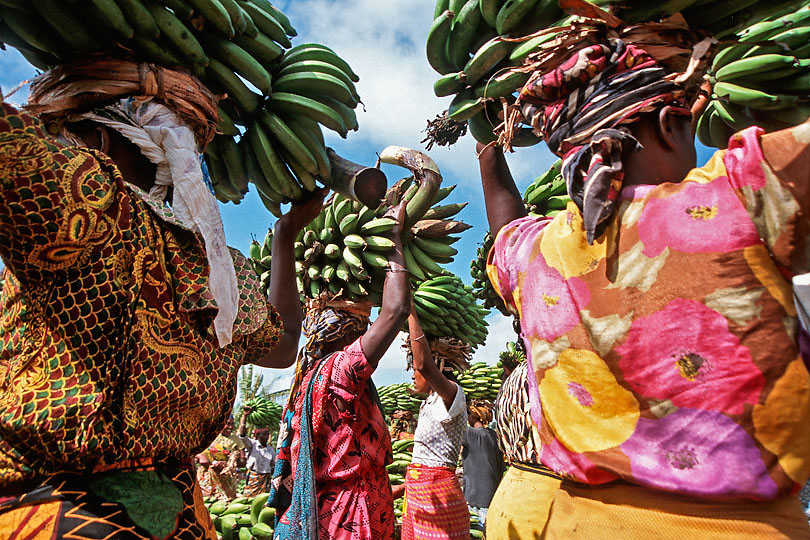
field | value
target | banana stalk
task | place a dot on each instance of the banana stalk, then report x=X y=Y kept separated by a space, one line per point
x=424 y=170
x=364 y=184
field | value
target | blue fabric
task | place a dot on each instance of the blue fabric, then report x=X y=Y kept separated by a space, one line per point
x=300 y=505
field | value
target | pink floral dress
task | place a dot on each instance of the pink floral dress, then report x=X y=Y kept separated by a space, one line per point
x=665 y=354
x=351 y=450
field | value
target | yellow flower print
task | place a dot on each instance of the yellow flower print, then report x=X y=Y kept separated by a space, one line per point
x=766 y=272
x=584 y=404
x=565 y=248
x=780 y=424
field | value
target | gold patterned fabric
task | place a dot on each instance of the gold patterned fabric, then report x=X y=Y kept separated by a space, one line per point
x=107 y=350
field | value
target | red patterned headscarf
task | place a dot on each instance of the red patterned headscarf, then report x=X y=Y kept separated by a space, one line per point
x=582 y=108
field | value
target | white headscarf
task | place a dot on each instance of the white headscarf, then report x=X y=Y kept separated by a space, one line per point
x=168 y=143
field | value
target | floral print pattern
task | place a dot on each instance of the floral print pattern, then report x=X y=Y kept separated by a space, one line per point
x=665 y=354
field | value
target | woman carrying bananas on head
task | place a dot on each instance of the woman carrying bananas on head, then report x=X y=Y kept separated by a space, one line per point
x=330 y=479
x=125 y=315
x=665 y=380
x=434 y=507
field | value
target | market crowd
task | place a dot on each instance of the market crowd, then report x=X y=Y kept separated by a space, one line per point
x=666 y=392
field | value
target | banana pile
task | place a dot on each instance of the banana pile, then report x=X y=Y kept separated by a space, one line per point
x=481 y=381
x=399 y=397
x=478 y=46
x=446 y=307
x=277 y=97
x=762 y=80
x=545 y=196
x=403 y=453
x=243 y=518
x=264 y=413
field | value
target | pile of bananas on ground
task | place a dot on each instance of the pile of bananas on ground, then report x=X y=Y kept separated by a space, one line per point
x=278 y=99
x=446 y=307
x=403 y=452
x=243 y=518
x=475 y=44
x=545 y=196
x=343 y=251
x=264 y=413
x=763 y=80
x=399 y=397
x=481 y=381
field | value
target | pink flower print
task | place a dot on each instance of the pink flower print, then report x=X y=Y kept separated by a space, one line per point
x=580 y=393
x=685 y=353
x=695 y=218
x=699 y=453
x=551 y=304
x=564 y=462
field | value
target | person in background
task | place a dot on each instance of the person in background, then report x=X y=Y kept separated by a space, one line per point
x=482 y=460
x=330 y=479
x=434 y=507
x=219 y=476
x=665 y=381
x=260 y=457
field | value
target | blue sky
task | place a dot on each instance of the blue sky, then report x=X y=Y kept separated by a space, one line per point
x=384 y=43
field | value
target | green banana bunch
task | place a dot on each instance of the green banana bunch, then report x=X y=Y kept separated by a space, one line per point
x=446 y=307
x=481 y=286
x=278 y=99
x=264 y=412
x=260 y=257
x=399 y=397
x=763 y=79
x=243 y=518
x=283 y=148
x=481 y=381
x=545 y=196
x=514 y=351
x=478 y=53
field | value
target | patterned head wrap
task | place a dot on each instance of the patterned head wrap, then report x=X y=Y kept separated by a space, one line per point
x=482 y=409
x=582 y=107
x=324 y=323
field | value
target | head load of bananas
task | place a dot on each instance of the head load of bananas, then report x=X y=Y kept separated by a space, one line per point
x=546 y=196
x=264 y=413
x=447 y=308
x=481 y=49
x=513 y=355
x=343 y=251
x=761 y=78
x=274 y=97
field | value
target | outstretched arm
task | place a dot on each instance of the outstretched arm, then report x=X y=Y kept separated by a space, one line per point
x=501 y=196
x=423 y=362
x=283 y=289
x=395 y=298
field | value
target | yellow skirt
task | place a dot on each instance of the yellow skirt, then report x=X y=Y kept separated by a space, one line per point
x=531 y=506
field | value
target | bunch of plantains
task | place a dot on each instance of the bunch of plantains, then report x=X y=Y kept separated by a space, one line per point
x=344 y=251
x=243 y=518
x=545 y=196
x=478 y=48
x=275 y=97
